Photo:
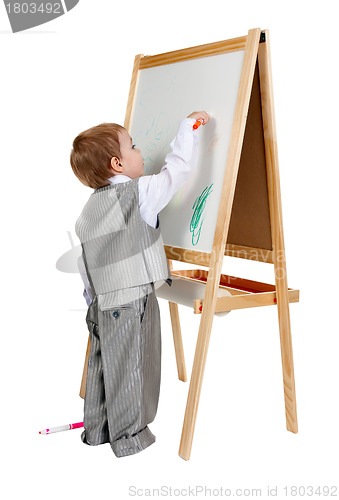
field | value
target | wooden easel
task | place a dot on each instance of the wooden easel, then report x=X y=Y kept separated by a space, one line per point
x=251 y=185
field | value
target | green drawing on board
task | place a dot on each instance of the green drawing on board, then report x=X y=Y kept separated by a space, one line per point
x=199 y=206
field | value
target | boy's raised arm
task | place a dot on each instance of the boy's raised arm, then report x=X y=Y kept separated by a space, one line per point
x=157 y=190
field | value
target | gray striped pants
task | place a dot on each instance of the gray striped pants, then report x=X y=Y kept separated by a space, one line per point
x=123 y=376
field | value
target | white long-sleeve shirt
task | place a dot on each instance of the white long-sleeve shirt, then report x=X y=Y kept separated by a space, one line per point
x=155 y=191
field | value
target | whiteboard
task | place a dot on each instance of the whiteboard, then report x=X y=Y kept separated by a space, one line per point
x=166 y=94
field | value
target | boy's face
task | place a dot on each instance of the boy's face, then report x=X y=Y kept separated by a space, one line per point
x=131 y=159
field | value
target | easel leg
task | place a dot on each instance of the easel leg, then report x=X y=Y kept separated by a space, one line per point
x=84 y=373
x=286 y=350
x=273 y=183
x=196 y=383
x=177 y=338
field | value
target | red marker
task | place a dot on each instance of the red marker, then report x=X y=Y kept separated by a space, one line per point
x=62 y=428
x=198 y=123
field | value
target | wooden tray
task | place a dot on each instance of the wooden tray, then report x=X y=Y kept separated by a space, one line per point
x=244 y=293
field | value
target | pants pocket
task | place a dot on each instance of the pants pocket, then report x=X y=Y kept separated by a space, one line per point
x=121 y=318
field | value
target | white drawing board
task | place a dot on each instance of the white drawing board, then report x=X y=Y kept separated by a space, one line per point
x=164 y=95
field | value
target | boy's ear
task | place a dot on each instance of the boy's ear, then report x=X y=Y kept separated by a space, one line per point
x=116 y=165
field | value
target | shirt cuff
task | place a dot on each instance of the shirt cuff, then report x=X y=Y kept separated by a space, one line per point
x=187 y=122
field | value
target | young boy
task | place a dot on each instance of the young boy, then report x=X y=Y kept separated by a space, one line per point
x=123 y=256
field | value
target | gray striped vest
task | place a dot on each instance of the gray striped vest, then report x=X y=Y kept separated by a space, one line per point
x=120 y=250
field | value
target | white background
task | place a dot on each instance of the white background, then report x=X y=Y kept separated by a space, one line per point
x=72 y=73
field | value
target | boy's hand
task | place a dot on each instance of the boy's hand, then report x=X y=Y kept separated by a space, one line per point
x=200 y=115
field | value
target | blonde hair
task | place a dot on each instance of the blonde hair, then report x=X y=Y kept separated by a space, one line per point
x=92 y=152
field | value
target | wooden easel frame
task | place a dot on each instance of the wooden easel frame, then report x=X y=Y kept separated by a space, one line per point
x=244 y=293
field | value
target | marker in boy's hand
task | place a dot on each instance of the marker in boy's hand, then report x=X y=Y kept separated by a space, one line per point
x=201 y=118
x=197 y=124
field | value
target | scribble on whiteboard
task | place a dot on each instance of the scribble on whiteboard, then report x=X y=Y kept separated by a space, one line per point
x=154 y=137
x=157 y=128
x=198 y=207
x=213 y=142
